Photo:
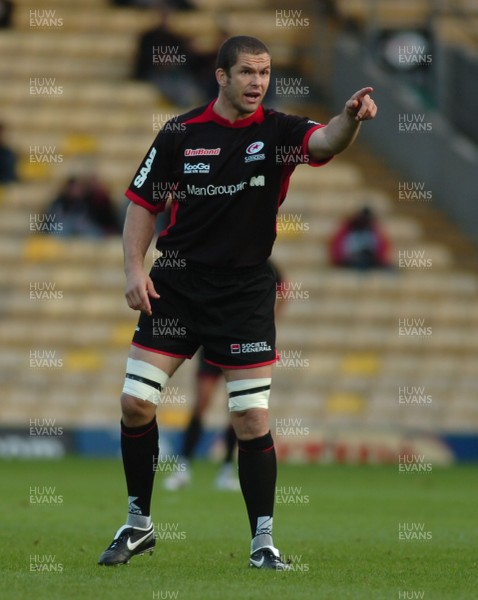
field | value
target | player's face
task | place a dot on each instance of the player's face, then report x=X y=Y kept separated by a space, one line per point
x=247 y=83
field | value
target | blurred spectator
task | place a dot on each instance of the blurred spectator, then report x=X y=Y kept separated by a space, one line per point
x=360 y=243
x=102 y=209
x=170 y=62
x=6 y=11
x=84 y=207
x=8 y=160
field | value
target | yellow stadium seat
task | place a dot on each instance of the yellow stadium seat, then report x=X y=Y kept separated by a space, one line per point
x=177 y=418
x=80 y=143
x=122 y=333
x=360 y=364
x=345 y=403
x=32 y=171
x=83 y=360
x=40 y=248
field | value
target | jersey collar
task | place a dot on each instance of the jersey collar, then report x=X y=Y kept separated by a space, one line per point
x=211 y=115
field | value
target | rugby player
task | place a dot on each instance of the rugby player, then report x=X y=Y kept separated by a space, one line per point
x=227 y=167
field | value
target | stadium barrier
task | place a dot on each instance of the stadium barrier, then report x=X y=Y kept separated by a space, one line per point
x=320 y=446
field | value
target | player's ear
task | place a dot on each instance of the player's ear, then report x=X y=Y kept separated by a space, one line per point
x=221 y=77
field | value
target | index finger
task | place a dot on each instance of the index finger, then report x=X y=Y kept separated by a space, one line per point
x=145 y=305
x=363 y=92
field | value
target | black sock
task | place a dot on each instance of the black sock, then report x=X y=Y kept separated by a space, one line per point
x=257 y=475
x=230 y=439
x=140 y=450
x=191 y=436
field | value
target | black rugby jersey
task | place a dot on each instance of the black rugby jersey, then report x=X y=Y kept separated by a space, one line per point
x=226 y=182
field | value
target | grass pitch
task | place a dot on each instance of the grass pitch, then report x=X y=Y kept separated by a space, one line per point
x=340 y=525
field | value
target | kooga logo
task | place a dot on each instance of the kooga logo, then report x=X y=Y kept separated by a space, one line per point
x=143 y=174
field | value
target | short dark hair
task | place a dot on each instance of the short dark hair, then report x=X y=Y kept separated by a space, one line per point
x=231 y=48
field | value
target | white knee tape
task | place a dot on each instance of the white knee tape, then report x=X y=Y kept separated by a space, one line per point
x=144 y=381
x=249 y=393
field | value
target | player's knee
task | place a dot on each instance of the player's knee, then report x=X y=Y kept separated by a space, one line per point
x=250 y=424
x=136 y=412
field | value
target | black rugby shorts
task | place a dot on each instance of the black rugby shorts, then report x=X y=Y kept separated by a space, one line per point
x=228 y=312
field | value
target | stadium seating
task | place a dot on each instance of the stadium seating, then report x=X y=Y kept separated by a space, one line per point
x=348 y=360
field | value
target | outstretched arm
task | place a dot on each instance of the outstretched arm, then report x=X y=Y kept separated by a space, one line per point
x=342 y=129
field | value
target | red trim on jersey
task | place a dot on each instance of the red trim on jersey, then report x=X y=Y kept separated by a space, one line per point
x=138 y=200
x=172 y=218
x=305 y=148
x=289 y=169
x=211 y=115
x=262 y=364
x=161 y=351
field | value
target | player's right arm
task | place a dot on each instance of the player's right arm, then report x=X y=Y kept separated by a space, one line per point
x=138 y=233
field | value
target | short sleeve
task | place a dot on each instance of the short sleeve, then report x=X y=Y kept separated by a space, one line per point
x=153 y=182
x=296 y=132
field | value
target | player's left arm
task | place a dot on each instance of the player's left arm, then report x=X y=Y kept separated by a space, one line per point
x=342 y=129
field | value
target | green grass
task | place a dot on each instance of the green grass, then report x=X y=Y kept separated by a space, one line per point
x=344 y=533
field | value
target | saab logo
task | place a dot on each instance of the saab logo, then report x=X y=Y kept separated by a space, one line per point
x=255 y=147
x=202 y=151
x=143 y=174
x=259 y=181
x=235 y=348
x=197 y=168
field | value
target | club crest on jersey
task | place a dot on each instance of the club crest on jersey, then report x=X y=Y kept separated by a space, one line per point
x=253 y=150
x=143 y=174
